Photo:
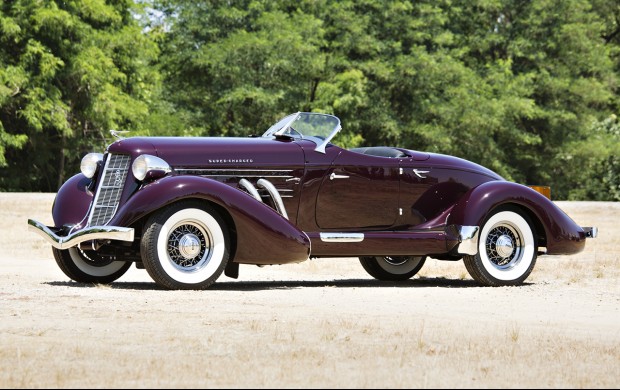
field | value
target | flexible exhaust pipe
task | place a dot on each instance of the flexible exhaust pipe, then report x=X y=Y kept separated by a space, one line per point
x=275 y=195
x=245 y=183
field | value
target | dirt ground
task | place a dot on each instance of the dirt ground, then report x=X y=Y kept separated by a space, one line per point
x=321 y=324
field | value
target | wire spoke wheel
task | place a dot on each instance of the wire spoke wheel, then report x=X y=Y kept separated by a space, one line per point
x=504 y=246
x=185 y=246
x=88 y=266
x=189 y=246
x=506 y=250
x=392 y=268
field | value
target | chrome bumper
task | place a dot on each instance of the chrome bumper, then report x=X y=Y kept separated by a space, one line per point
x=468 y=240
x=591 y=231
x=88 y=234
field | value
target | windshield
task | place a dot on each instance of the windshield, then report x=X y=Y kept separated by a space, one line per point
x=318 y=128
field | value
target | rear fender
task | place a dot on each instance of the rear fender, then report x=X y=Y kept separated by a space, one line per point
x=263 y=235
x=563 y=235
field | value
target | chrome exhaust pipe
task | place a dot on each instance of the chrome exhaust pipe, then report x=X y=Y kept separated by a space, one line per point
x=245 y=183
x=275 y=195
x=271 y=189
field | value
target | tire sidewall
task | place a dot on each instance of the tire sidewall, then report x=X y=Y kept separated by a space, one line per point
x=411 y=265
x=519 y=271
x=72 y=263
x=155 y=254
x=380 y=269
x=92 y=270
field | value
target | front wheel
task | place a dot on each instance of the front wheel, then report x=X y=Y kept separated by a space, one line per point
x=88 y=266
x=506 y=250
x=392 y=268
x=185 y=246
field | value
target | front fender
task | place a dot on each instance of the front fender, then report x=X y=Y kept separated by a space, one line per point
x=72 y=202
x=263 y=235
x=563 y=235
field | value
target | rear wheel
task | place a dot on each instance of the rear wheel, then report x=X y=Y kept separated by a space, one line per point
x=88 y=266
x=185 y=246
x=392 y=268
x=506 y=250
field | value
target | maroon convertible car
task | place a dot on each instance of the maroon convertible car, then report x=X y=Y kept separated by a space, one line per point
x=188 y=209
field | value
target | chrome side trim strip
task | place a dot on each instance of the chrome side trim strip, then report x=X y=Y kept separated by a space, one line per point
x=591 y=231
x=342 y=237
x=281 y=196
x=230 y=170
x=468 y=240
x=274 y=176
x=250 y=189
x=275 y=195
x=91 y=233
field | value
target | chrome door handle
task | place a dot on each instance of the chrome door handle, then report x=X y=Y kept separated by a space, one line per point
x=334 y=176
x=420 y=173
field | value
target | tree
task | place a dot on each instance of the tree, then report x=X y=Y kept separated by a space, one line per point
x=508 y=84
x=523 y=88
x=69 y=72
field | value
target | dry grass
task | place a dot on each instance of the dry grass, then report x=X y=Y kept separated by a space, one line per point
x=321 y=323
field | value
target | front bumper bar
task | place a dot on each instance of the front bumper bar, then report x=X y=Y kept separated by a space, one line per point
x=88 y=234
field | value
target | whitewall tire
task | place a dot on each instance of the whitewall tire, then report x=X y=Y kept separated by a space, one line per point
x=88 y=266
x=507 y=250
x=392 y=268
x=185 y=246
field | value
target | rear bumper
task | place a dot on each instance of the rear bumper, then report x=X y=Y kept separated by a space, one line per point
x=91 y=233
x=468 y=240
x=590 y=231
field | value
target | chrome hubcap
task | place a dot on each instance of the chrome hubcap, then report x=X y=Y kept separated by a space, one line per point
x=504 y=246
x=189 y=246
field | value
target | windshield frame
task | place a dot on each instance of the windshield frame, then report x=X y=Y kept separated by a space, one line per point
x=273 y=131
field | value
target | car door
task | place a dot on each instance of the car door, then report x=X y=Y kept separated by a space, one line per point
x=417 y=178
x=358 y=192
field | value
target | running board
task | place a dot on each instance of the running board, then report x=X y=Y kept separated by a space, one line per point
x=462 y=240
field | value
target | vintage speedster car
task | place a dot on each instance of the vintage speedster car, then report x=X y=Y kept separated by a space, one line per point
x=188 y=209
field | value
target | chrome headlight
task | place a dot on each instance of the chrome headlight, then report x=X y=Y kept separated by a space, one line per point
x=149 y=166
x=89 y=164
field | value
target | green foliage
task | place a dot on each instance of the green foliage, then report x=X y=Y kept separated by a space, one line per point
x=528 y=89
x=599 y=158
x=511 y=85
x=69 y=72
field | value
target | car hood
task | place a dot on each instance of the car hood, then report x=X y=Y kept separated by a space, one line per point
x=187 y=152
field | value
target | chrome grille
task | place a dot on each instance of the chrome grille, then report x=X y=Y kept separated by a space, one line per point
x=110 y=189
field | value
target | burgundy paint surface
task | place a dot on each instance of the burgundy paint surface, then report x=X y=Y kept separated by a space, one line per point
x=391 y=243
x=564 y=236
x=263 y=236
x=72 y=202
x=401 y=204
